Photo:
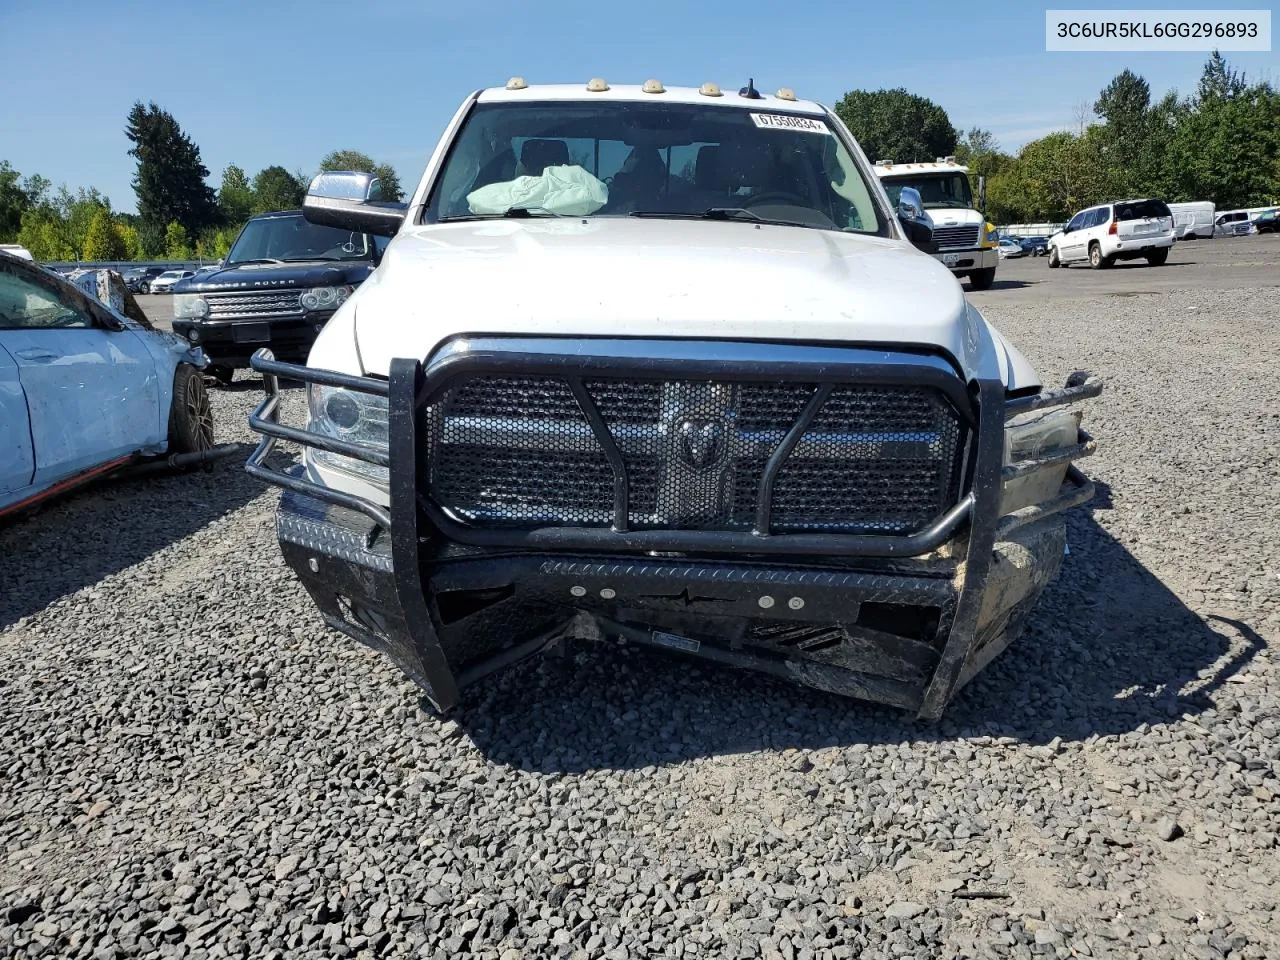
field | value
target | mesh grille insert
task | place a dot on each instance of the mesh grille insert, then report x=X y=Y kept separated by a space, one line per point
x=519 y=452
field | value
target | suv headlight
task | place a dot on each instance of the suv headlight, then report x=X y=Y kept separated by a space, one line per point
x=352 y=416
x=190 y=306
x=325 y=298
x=1031 y=435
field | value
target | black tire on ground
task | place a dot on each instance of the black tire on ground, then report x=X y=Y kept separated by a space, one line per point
x=190 y=416
x=1096 y=259
x=982 y=279
x=224 y=375
x=1157 y=257
x=1054 y=262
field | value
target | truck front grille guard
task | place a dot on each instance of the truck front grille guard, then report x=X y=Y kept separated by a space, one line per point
x=408 y=390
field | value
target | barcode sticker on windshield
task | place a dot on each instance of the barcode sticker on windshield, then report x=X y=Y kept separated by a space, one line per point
x=782 y=121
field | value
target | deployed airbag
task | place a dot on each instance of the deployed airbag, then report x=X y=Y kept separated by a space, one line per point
x=569 y=191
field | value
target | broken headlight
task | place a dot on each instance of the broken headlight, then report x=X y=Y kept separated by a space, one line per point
x=352 y=416
x=1027 y=437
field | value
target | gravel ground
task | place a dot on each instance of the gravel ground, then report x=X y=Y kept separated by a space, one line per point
x=191 y=766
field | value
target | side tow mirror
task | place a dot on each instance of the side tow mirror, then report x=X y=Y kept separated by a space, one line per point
x=350 y=200
x=915 y=224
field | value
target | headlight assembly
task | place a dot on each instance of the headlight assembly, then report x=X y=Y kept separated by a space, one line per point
x=190 y=306
x=990 y=236
x=325 y=298
x=352 y=416
x=1031 y=435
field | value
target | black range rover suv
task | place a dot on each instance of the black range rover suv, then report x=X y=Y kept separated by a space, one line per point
x=281 y=281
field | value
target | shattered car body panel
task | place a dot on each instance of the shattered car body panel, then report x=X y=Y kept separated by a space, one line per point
x=84 y=390
x=774 y=444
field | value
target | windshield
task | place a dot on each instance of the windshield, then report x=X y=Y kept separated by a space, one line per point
x=936 y=190
x=660 y=159
x=291 y=238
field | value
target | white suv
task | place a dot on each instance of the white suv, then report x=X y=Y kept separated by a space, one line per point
x=1124 y=230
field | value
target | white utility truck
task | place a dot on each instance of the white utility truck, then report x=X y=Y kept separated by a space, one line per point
x=966 y=244
x=664 y=365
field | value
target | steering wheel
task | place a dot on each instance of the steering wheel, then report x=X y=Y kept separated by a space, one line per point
x=793 y=199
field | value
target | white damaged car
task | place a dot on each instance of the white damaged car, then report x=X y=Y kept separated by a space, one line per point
x=664 y=365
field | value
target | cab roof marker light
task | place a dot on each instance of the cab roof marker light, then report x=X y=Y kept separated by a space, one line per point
x=710 y=90
x=786 y=93
x=516 y=83
x=653 y=86
x=597 y=85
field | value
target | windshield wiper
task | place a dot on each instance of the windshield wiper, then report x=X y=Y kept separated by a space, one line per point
x=512 y=213
x=711 y=213
x=241 y=263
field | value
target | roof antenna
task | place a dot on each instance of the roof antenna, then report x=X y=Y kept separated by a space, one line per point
x=750 y=91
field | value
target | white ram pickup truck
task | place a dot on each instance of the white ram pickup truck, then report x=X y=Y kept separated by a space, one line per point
x=665 y=366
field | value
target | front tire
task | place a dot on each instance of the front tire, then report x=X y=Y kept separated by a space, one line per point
x=190 y=415
x=982 y=279
x=1157 y=258
x=1054 y=262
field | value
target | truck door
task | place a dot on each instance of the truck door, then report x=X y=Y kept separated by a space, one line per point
x=17 y=461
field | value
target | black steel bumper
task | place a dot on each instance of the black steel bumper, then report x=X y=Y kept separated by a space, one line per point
x=903 y=620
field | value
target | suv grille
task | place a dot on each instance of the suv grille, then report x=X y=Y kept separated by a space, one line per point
x=519 y=452
x=963 y=236
x=269 y=303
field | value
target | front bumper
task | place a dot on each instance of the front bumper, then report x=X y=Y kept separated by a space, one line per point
x=905 y=620
x=964 y=262
x=232 y=343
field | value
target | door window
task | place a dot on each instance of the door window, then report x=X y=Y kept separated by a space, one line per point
x=1077 y=222
x=25 y=305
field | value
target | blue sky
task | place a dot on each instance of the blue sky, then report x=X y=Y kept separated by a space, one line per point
x=285 y=82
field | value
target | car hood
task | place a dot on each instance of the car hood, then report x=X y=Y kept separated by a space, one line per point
x=258 y=276
x=650 y=278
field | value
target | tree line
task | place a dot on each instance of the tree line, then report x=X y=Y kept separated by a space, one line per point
x=180 y=217
x=1221 y=143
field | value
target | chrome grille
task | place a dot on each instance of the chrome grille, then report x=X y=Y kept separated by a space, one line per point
x=268 y=303
x=519 y=452
x=962 y=236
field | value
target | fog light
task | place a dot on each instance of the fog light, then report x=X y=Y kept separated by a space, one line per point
x=193 y=335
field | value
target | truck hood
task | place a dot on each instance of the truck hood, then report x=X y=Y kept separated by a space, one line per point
x=657 y=278
x=953 y=216
x=262 y=276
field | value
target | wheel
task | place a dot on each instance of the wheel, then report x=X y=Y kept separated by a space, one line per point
x=1157 y=257
x=144 y=288
x=190 y=416
x=1096 y=259
x=224 y=375
x=982 y=279
x=1054 y=263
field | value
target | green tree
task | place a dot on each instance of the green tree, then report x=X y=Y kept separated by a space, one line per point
x=235 y=196
x=13 y=202
x=127 y=235
x=101 y=241
x=275 y=188
x=170 y=178
x=897 y=125
x=355 y=160
x=44 y=233
x=1228 y=150
x=1218 y=81
x=980 y=152
x=176 y=244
